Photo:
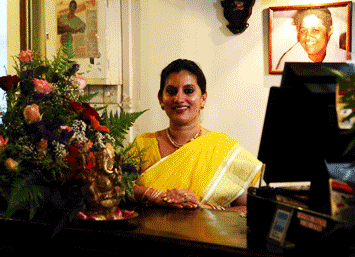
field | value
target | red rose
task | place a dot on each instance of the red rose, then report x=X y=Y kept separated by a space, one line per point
x=9 y=82
x=91 y=161
x=89 y=111
x=75 y=106
x=72 y=158
x=91 y=114
x=3 y=143
x=96 y=124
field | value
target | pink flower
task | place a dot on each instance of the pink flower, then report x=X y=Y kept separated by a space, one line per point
x=88 y=146
x=3 y=143
x=79 y=82
x=66 y=127
x=87 y=143
x=42 y=146
x=31 y=113
x=11 y=164
x=26 y=56
x=42 y=86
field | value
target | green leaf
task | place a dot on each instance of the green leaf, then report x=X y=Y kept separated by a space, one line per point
x=119 y=125
x=23 y=192
x=67 y=48
x=350 y=147
x=335 y=72
x=131 y=154
x=87 y=98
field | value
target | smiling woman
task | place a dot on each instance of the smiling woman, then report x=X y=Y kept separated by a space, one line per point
x=182 y=99
x=314 y=30
x=186 y=165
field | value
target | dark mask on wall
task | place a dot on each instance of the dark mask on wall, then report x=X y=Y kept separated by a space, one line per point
x=237 y=13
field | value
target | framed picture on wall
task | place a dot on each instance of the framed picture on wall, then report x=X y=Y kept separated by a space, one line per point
x=77 y=19
x=309 y=33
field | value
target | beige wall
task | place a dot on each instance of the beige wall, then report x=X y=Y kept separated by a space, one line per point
x=45 y=39
x=13 y=33
x=236 y=66
x=233 y=64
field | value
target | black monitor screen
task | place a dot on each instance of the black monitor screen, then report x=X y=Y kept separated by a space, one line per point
x=301 y=138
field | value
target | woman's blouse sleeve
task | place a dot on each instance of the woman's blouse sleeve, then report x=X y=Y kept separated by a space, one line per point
x=148 y=146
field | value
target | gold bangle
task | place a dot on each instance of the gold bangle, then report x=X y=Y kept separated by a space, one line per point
x=145 y=193
x=155 y=195
x=217 y=207
x=221 y=208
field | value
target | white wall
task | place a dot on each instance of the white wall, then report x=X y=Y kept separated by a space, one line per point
x=236 y=66
x=3 y=50
x=165 y=30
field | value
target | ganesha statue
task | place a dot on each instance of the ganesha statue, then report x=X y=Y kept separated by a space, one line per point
x=103 y=189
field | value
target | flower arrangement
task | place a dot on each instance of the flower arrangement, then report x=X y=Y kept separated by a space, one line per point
x=47 y=132
x=345 y=95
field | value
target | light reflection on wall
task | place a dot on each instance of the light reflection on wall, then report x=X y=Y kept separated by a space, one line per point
x=296 y=2
x=3 y=50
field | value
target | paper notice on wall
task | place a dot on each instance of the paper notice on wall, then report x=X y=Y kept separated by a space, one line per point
x=91 y=33
x=78 y=20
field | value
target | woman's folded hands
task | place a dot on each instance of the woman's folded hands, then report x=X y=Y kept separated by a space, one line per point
x=177 y=198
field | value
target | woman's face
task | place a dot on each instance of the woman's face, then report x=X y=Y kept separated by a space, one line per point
x=182 y=98
x=72 y=8
x=314 y=36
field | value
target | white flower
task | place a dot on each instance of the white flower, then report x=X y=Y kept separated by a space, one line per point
x=59 y=150
x=126 y=103
x=100 y=141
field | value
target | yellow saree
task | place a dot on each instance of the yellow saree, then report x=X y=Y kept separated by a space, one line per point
x=213 y=166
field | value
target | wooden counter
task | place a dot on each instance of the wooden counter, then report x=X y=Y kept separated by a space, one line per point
x=156 y=231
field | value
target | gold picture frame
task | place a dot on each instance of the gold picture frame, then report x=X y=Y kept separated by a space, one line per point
x=309 y=33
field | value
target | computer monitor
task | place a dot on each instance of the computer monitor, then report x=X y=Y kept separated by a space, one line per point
x=300 y=139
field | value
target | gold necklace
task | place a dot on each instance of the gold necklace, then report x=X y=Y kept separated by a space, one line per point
x=172 y=141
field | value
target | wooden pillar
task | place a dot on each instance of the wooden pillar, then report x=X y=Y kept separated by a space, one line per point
x=23 y=21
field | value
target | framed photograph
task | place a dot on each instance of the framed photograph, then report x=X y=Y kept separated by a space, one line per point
x=309 y=33
x=77 y=19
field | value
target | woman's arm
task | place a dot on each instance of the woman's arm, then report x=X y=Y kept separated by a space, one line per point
x=240 y=204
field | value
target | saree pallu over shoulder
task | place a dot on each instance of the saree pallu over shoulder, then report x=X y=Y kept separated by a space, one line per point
x=214 y=167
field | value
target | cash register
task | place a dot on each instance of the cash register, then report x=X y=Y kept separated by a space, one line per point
x=300 y=143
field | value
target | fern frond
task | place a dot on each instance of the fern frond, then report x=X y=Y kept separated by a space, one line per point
x=67 y=48
x=24 y=192
x=87 y=98
x=130 y=154
x=119 y=125
x=128 y=180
